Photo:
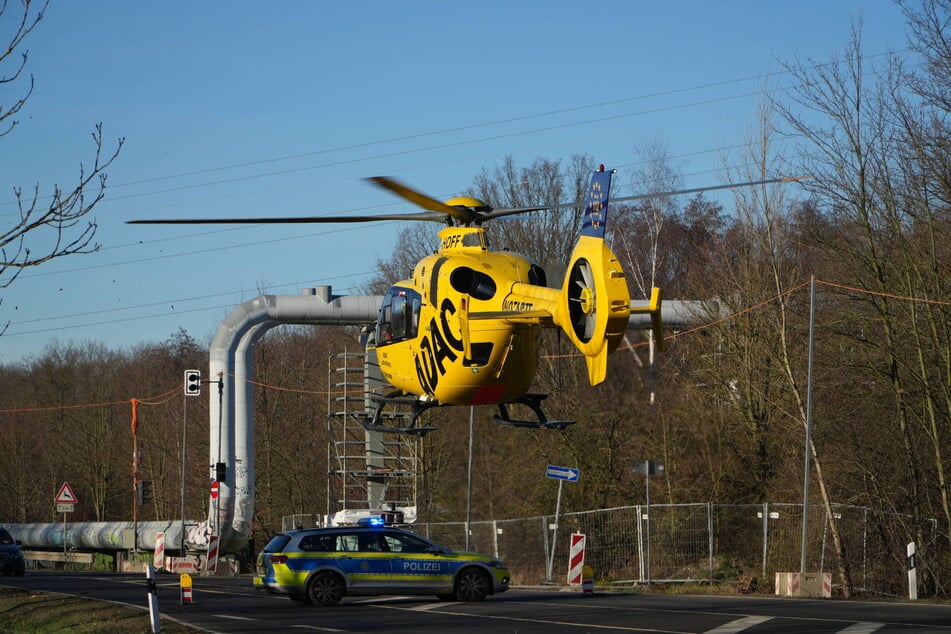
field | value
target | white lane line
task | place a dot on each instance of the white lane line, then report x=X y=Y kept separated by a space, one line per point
x=387 y=599
x=862 y=627
x=739 y=625
x=318 y=629
x=234 y=618
x=433 y=606
x=590 y=627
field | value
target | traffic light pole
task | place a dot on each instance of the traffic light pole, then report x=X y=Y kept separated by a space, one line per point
x=184 y=445
x=192 y=387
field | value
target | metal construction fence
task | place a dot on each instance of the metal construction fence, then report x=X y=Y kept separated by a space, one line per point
x=702 y=542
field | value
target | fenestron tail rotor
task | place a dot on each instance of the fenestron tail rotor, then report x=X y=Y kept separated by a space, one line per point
x=582 y=306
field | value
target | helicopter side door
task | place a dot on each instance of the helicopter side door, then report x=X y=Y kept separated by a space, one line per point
x=399 y=316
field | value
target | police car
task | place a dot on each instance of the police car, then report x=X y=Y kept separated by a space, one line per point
x=320 y=566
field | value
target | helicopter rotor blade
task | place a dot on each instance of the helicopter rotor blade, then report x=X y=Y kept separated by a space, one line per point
x=421 y=200
x=678 y=192
x=438 y=211
x=430 y=216
x=461 y=214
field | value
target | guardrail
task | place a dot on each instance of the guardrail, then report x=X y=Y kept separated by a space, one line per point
x=58 y=556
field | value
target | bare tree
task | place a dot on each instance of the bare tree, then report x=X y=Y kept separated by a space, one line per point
x=880 y=156
x=26 y=24
x=54 y=221
x=546 y=237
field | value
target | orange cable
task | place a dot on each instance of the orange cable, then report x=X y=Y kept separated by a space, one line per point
x=880 y=294
x=88 y=405
x=167 y=396
x=296 y=390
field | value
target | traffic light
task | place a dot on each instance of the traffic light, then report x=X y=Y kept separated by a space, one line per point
x=192 y=383
x=221 y=471
x=393 y=517
x=143 y=492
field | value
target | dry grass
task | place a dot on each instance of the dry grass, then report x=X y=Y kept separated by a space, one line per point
x=29 y=611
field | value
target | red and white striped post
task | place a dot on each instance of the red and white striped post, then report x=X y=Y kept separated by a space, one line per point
x=211 y=566
x=576 y=559
x=158 y=558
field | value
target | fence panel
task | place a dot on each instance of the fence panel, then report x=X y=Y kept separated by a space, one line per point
x=702 y=543
x=613 y=546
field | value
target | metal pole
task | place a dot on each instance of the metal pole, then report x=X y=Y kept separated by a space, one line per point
x=640 y=545
x=184 y=439
x=469 y=477
x=135 y=486
x=805 y=483
x=221 y=398
x=647 y=487
x=710 y=539
x=554 y=535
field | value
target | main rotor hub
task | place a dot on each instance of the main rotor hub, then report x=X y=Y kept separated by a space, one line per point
x=468 y=202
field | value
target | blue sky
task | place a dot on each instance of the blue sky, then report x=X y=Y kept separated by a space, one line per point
x=231 y=109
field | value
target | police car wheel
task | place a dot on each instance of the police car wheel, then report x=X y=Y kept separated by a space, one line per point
x=325 y=589
x=472 y=585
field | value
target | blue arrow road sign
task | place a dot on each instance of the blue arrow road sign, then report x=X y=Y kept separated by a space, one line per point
x=562 y=473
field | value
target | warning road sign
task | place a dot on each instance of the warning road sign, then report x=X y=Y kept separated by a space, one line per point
x=65 y=495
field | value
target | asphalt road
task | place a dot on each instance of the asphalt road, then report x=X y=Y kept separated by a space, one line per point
x=230 y=604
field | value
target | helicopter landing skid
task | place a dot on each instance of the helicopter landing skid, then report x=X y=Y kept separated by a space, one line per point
x=533 y=402
x=375 y=421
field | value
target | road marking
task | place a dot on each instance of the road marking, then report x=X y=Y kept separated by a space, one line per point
x=386 y=599
x=862 y=627
x=234 y=617
x=434 y=606
x=318 y=629
x=515 y=619
x=739 y=625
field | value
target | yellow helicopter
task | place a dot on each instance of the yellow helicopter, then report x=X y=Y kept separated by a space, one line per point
x=464 y=329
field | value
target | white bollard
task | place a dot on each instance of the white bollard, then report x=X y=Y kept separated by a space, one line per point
x=912 y=572
x=153 y=599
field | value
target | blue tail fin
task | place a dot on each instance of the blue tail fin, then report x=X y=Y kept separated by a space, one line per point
x=596 y=207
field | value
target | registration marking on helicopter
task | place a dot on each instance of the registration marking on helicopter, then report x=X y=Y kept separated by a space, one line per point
x=451 y=241
x=511 y=304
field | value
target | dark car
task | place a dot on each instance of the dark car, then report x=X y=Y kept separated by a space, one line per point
x=321 y=565
x=11 y=557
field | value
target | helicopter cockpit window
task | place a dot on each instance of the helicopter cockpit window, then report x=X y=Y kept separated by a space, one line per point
x=472 y=240
x=399 y=316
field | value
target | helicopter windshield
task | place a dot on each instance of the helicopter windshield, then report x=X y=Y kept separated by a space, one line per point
x=399 y=316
